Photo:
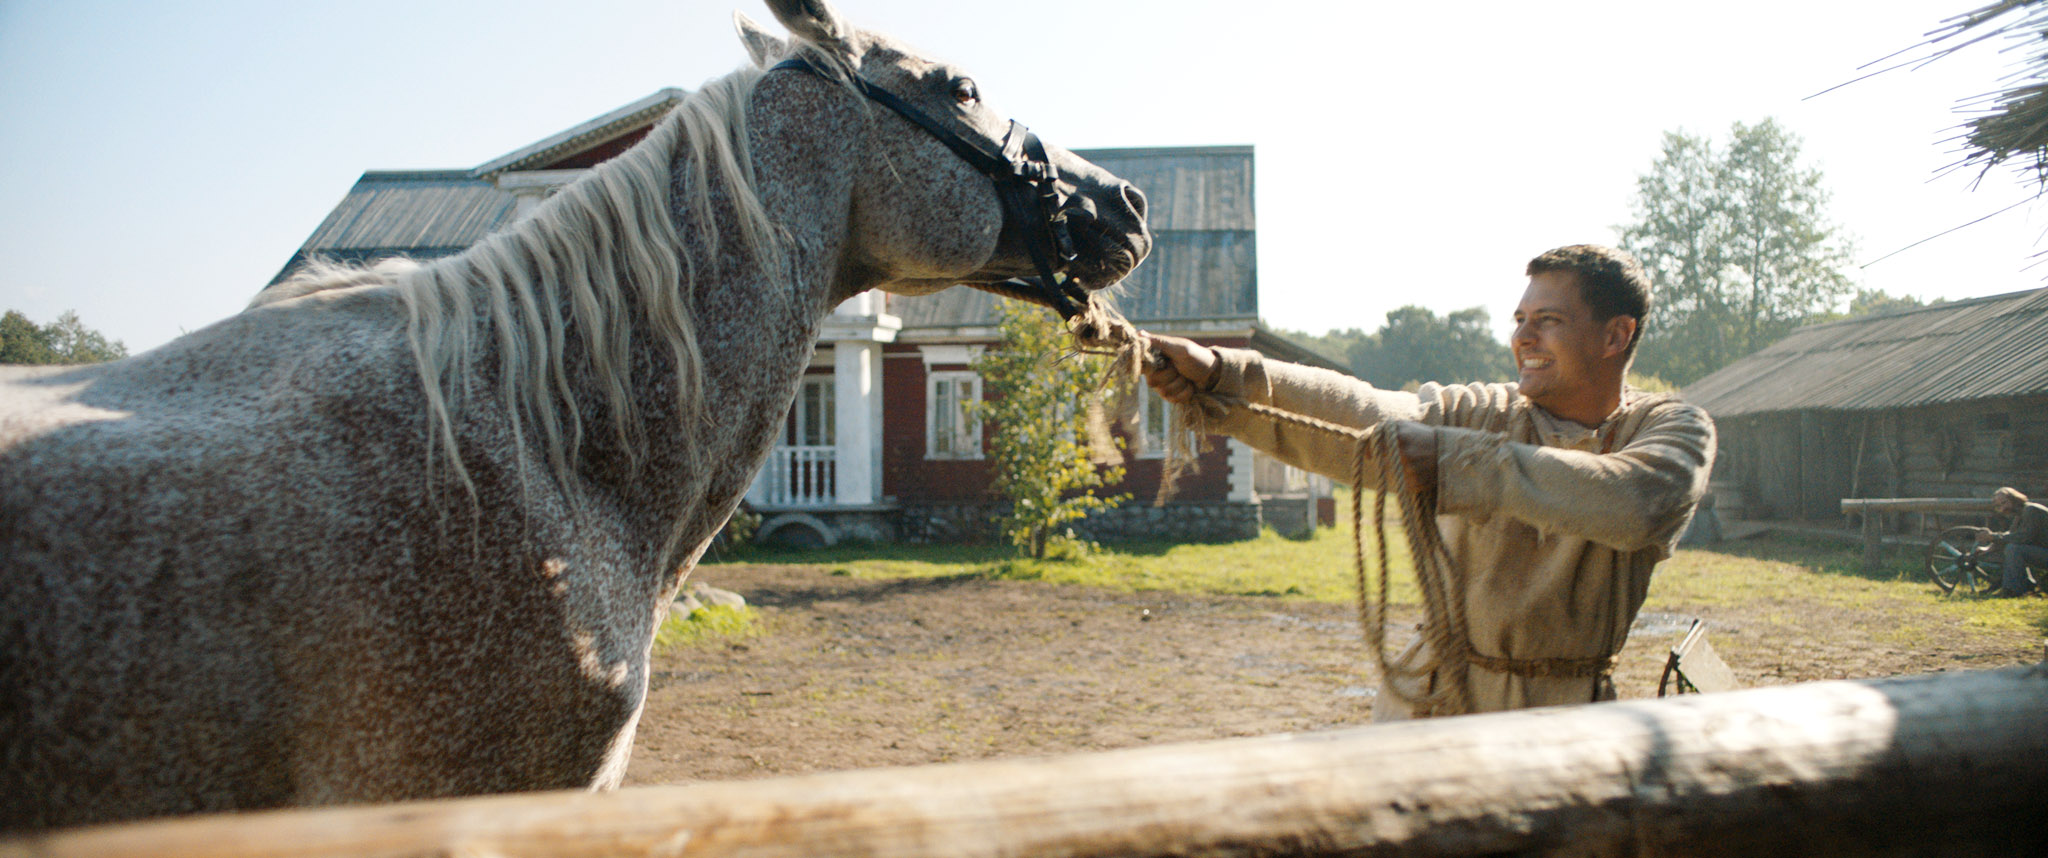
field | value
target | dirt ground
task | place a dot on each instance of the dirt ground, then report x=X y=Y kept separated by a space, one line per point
x=857 y=673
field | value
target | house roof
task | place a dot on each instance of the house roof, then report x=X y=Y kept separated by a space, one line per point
x=1981 y=348
x=1204 y=263
x=589 y=135
x=418 y=213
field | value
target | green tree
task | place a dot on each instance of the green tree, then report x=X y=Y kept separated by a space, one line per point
x=1416 y=345
x=21 y=341
x=1037 y=406
x=1737 y=240
x=73 y=342
x=1337 y=345
x=64 y=341
x=1870 y=302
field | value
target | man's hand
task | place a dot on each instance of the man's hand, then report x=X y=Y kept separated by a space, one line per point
x=1188 y=369
x=1418 y=454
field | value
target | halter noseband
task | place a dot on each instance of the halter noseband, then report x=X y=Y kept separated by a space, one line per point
x=1026 y=182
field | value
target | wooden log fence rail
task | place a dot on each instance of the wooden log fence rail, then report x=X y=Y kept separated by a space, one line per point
x=1949 y=764
x=1874 y=510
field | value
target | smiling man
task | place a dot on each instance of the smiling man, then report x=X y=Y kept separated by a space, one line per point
x=1557 y=495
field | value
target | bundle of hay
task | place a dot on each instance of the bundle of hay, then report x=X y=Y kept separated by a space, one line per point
x=2010 y=123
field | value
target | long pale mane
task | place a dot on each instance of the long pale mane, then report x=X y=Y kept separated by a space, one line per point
x=598 y=256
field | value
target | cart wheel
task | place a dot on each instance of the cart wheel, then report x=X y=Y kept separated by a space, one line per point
x=1954 y=561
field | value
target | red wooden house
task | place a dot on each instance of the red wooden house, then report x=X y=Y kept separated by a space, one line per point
x=877 y=446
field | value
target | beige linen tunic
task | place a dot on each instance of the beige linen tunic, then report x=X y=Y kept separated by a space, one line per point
x=1555 y=527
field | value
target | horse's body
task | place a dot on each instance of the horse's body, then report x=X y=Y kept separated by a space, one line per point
x=245 y=570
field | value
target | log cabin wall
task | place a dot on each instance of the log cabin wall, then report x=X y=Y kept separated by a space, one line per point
x=1945 y=401
x=1800 y=465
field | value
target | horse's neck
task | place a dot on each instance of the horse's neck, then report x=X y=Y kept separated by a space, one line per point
x=757 y=320
x=756 y=313
x=758 y=324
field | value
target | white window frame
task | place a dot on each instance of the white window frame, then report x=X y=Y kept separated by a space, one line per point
x=1150 y=407
x=826 y=414
x=968 y=435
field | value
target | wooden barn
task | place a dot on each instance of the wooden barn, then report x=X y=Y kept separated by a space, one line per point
x=877 y=446
x=1949 y=401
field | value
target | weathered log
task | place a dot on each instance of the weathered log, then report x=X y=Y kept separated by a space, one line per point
x=1852 y=506
x=1950 y=764
x=1873 y=511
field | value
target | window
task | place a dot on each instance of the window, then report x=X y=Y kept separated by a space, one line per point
x=1994 y=421
x=949 y=432
x=811 y=416
x=1152 y=417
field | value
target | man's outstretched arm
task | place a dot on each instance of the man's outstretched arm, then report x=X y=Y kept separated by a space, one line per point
x=1309 y=391
x=1632 y=498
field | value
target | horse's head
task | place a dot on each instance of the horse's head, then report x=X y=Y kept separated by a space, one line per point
x=937 y=199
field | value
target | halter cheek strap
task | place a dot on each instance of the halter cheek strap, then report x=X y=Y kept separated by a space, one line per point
x=1026 y=183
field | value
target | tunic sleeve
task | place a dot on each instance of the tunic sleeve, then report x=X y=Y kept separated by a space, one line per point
x=1637 y=497
x=1314 y=392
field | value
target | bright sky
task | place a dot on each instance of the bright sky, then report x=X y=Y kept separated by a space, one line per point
x=161 y=160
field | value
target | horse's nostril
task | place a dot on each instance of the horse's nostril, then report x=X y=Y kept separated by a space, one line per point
x=1135 y=199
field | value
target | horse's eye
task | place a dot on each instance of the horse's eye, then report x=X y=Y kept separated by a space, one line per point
x=965 y=93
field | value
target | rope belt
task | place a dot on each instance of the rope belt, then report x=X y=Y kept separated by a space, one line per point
x=1100 y=330
x=1562 y=668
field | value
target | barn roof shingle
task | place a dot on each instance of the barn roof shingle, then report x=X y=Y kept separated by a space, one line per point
x=1982 y=348
x=418 y=213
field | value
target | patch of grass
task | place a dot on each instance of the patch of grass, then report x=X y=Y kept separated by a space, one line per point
x=709 y=625
x=1810 y=577
x=1784 y=580
x=1317 y=567
x=884 y=560
x=1823 y=556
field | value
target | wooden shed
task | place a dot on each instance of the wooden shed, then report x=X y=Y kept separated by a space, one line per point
x=1942 y=401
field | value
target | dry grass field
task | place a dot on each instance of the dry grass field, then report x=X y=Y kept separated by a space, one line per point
x=863 y=657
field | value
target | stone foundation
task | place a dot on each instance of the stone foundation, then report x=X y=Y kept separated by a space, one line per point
x=817 y=528
x=1175 y=521
x=1289 y=515
x=928 y=523
x=1197 y=521
x=939 y=523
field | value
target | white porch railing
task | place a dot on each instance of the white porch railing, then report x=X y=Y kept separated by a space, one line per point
x=800 y=476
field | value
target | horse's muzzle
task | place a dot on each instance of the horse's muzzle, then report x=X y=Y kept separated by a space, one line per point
x=1110 y=243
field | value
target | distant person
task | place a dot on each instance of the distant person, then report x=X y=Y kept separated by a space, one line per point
x=2025 y=542
x=1557 y=495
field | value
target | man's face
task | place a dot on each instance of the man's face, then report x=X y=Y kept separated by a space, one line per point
x=1560 y=349
x=2004 y=505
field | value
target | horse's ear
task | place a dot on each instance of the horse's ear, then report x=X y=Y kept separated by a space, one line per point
x=813 y=20
x=762 y=45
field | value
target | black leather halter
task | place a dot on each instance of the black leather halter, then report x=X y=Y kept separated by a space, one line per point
x=1026 y=182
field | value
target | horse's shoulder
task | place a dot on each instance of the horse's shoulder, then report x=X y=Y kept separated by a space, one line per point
x=336 y=333
x=227 y=384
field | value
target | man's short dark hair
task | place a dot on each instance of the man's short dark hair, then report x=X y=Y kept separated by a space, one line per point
x=1611 y=281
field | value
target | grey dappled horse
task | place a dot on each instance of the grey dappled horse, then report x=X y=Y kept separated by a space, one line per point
x=407 y=532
